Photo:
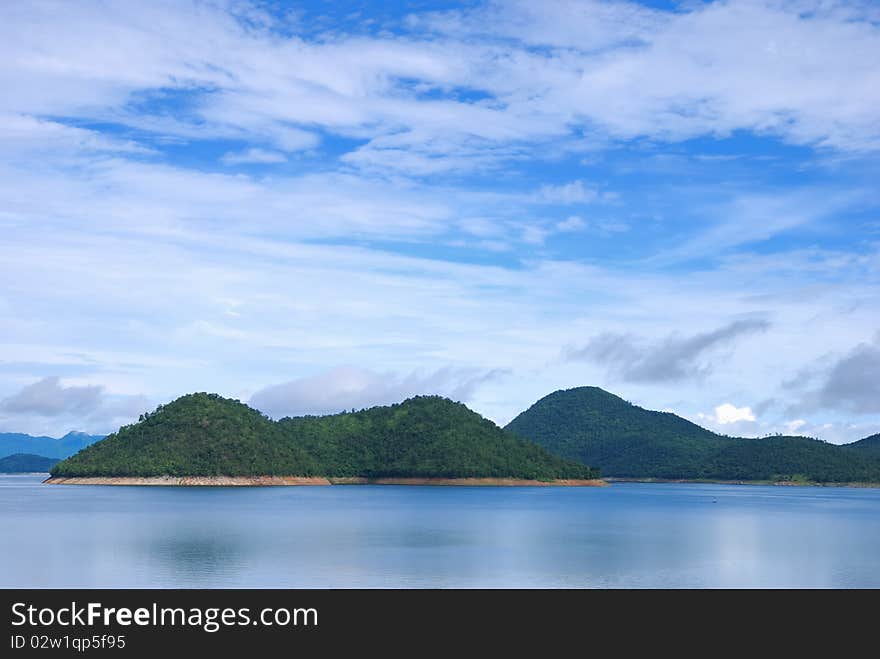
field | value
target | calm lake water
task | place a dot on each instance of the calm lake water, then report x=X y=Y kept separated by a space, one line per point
x=627 y=535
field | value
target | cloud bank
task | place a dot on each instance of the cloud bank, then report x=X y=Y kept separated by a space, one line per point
x=212 y=195
x=850 y=384
x=48 y=397
x=48 y=405
x=348 y=387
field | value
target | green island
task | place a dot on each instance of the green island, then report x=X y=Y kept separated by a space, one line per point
x=628 y=442
x=204 y=439
x=566 y=438
x=21 y=463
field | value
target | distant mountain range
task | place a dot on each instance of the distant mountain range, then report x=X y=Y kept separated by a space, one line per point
x=50 y=447
x=598 y=428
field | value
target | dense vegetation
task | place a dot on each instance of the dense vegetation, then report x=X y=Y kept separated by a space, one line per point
x=20 y=463
x=206 y=435
x=868 y=444
x=601 y=429
x=421 y=437
x=196 y=435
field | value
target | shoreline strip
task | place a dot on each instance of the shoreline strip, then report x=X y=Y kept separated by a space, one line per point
x=263 y=481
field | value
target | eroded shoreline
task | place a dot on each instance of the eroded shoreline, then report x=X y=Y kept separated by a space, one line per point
x=706 y=481
x=264 y=481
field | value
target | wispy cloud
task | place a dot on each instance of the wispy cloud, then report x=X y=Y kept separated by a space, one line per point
x=452 y=97
x=575 y=192
x=775 y=67
x=753 y=217
x=674 y=358
x=254 y=196
x=571 y=223
x=253 y=157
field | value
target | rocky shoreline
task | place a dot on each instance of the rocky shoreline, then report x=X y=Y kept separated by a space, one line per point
x=188 y=481
x=495 y=482
x=263 y=481
x=706 y=481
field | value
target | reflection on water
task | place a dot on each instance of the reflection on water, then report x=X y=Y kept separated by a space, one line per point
x=198 y=557
x=628 y=535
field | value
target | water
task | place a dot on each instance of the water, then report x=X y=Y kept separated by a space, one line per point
x=627 y=535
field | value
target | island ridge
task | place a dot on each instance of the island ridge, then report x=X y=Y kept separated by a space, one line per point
x=204 y=439
x=598 y=428
x=567 y=437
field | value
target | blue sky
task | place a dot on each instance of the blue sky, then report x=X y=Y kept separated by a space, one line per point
x=319 y=206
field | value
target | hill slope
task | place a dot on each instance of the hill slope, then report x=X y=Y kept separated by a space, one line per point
x=206 y=435
x=426 y=436
x=14 y=442
x=598 y=428
x=868 y=444
x=20 y=463
x=196 y=435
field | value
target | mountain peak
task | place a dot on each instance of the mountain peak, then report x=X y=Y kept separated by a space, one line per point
x=603 y=430
x=75 y=434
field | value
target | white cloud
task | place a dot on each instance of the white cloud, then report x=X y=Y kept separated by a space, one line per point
x=23 y=135
x=534 y=235
x=753 y=217
x=803 y=71
x=792 y=427
x=575 y=192
x=794 y=69
x=583 y=25
x=147 y=276
x=840 y=432
x=727 y=413
x=160 y=323
x=152 y=197
x=253 y=156
x=571 y=223
x=575 y=223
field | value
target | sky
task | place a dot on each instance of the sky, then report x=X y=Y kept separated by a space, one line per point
x=321 y=206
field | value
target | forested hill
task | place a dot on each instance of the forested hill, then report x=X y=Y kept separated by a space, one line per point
x=20 y=463
x=195 y=435
x=871 y=444
x=598 y=428
x=425 y=436
x=206 y=435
